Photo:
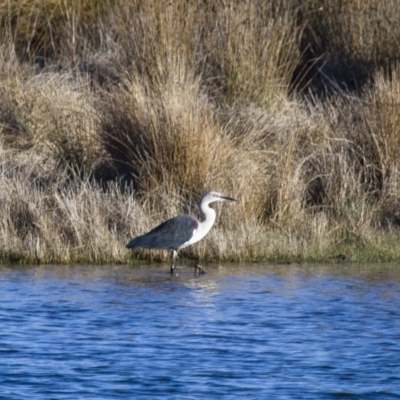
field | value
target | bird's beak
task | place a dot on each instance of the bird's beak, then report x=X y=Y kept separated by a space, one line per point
x=228 y=198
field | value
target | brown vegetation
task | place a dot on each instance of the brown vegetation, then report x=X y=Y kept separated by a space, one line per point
x=117 y=115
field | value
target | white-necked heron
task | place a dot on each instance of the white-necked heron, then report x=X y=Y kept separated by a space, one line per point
x=181 y=231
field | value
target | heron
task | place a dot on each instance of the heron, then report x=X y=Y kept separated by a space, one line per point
x=181 y=231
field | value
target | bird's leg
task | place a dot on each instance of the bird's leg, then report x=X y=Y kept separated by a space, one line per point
x=174 y=253
x=199 y=268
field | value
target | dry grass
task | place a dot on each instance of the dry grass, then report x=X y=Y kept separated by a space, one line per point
x=346 y=41
x=117 y=115
x=58 y=30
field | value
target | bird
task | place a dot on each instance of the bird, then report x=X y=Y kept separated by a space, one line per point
x=181 y=231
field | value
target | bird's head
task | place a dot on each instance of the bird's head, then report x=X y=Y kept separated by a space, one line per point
x=210 y=197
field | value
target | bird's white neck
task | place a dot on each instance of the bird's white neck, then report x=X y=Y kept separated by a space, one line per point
x=205 y=225
x=209 y=216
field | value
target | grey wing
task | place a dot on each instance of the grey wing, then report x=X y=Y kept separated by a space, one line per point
x=170 y=234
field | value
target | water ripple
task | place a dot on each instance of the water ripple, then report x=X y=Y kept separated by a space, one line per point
x=251 y=332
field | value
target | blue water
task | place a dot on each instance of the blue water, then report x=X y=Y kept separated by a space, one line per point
x=251 y=332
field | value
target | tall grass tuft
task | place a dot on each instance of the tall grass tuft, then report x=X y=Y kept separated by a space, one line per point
x=347 y=41
x=52 y=31
x=252 y=49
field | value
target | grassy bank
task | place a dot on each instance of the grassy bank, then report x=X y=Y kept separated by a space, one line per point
x=116 y=115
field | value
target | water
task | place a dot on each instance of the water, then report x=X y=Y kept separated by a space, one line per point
x=253 y=332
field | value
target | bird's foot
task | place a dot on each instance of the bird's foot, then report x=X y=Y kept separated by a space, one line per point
x=198 y=268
